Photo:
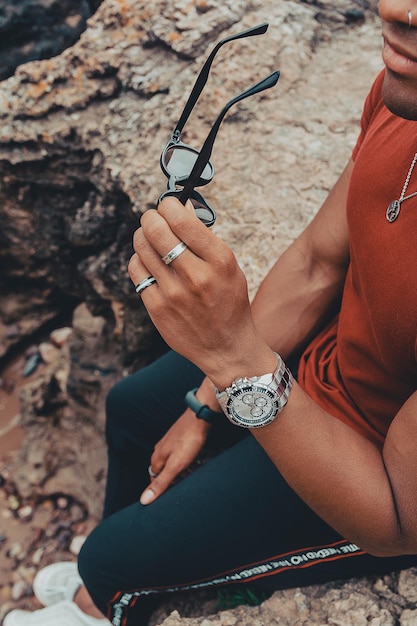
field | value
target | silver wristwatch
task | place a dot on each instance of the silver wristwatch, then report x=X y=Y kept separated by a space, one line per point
x=256 y=401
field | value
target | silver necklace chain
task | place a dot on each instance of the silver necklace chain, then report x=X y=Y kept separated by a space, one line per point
x=394 y=207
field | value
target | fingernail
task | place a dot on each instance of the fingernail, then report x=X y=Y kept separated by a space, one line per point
x=147 y=496
x=189 y=206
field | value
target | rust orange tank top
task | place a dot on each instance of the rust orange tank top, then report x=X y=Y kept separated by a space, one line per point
x=363 y=366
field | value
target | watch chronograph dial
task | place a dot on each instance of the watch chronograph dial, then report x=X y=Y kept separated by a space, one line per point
x=256 y=401
x=251 y=407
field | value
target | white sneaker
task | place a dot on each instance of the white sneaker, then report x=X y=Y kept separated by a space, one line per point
x=65 y=613
x=57 y=582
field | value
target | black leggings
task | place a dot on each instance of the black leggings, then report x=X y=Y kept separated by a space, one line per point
x=233 y=520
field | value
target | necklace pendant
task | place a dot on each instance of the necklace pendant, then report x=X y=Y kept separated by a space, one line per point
x=393 y=211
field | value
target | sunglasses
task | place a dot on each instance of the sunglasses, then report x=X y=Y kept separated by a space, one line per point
x=184 y=166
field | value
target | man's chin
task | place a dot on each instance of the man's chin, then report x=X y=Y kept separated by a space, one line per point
x=400 y=96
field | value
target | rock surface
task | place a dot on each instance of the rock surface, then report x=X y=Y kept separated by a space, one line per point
x=81 y=136
x=39 y=29
x=80 y=140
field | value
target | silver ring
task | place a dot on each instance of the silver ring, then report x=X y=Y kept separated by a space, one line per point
x=151 y=473
x=410 y=19
x=146 y=282
x=174 y=253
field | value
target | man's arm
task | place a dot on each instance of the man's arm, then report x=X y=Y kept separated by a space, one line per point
x=368 y=495
x=304 y=286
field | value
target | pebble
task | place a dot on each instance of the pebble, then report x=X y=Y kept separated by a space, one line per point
x=13 y=503
x=76 y=544
x=37 y=556
x=48 y=352
x=47 y=505
x=60 y=336
x=202 y=6
x=15 y=551
x=25 y=512
x=62 y=503
x=20 y=589
x=26 y=573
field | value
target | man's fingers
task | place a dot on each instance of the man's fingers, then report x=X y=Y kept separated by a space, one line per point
x=185 y=226
x=159 y=484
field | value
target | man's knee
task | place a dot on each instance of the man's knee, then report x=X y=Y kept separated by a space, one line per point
x=87 y=565
x=115 y=399
x=92 y=567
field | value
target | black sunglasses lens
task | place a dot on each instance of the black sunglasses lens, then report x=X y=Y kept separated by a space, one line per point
x=178 y=161
x=203 y=210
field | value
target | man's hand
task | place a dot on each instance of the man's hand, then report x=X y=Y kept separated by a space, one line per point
x=175 y=452
x=199 y=302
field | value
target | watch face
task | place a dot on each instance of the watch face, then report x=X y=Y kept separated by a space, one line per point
x=252 y=406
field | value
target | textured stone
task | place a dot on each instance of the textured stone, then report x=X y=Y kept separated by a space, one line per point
x=407 y=585
x=81 y=135
x=38 y=29
x=60 y=336
x=408 y=618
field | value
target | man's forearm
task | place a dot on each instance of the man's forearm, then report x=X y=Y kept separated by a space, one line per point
x=339 y=474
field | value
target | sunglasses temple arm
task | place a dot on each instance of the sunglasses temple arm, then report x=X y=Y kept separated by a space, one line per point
x=205 y=152
x=203 y=75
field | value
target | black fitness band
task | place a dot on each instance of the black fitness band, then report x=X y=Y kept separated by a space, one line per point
x=202 y=411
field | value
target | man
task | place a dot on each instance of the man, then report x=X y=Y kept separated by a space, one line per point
x=324 y=486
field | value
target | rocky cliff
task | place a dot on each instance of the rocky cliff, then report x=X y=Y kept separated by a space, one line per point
x=80 y=139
